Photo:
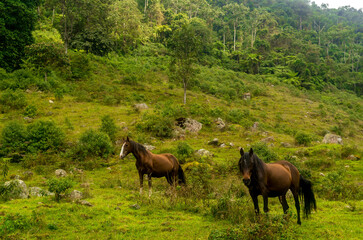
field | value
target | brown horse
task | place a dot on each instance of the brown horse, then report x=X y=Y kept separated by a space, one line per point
x=274 y=180
x=153 y=165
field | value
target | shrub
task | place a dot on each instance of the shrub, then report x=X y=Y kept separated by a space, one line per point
x=10 y=100
x=157 y=125
x=199 y=178
x=336 y=187
x=30 y=111
x=80 y=65
x=302 y=138
x=14 y=138
x=236 y=115
x=263 y=152
x=183 y=151
x=59 y=186
x=93 y=144
x=12 y=223
x=109 y=127
x=44 y=135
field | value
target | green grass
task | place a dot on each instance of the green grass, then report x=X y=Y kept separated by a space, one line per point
x=281 y=112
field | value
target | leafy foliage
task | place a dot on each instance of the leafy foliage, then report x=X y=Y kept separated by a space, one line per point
x=59 y=186
x=93 y=144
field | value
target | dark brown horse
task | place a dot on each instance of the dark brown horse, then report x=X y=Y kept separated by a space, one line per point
x=153 y=165
x=274 y=180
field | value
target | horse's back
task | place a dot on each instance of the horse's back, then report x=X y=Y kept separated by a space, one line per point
x=278 y=177
x=163 y=163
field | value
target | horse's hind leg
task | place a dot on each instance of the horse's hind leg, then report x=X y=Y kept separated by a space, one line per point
x=150 y=184
x=141 y=177
x=283 y=202
x=297 y=205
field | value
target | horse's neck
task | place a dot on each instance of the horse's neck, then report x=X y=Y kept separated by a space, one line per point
x=140 y=157
x=259 y=168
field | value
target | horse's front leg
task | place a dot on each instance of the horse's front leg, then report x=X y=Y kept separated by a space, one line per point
x=141 y=177
x=150 y=184
x=255 y=202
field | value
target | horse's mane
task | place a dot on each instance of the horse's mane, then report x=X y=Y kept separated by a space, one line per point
x=259 y=165
x=139 y=148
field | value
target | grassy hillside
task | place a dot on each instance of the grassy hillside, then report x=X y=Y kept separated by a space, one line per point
x=214 y=204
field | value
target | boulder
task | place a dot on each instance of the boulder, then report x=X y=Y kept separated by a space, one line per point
x=17 y=189
x=39 y=192
x=141 y=106
x=268 y=139
x=204 y=153
x=149 y=147
x=220 y=123
x=286 y=145
x=60 y=173
x=247 y=96
x=331 y=138
x=254 y=127
x=352 y=157
x=76 y=195
x=189 y=124
x=192 y=125
x=214 y=142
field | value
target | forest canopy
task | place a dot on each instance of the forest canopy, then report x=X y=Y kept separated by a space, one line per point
x=303 y=44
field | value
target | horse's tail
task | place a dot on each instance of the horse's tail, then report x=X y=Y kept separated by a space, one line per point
x=181 y=175
x=307 y=194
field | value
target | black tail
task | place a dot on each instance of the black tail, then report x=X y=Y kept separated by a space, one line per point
x=306 y=193
x=181 y=175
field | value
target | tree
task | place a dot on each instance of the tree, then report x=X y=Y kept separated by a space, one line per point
x=17 y=20
x=235 y=13
x=189 y=43
x=127 y=27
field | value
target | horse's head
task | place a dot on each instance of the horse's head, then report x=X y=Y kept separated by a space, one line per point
x=246 y=164
x=126 y=148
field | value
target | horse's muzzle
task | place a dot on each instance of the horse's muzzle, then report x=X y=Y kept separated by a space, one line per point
x=247 y=182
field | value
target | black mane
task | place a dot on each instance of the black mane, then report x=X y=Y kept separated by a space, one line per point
x=138 y=148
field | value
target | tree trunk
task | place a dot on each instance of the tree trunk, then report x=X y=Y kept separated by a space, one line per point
x=224 y=41
x=146 y=3
x=53 y=16
x=234 y=36
x=185 y=92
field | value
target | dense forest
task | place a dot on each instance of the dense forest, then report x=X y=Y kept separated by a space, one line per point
x=309 y=46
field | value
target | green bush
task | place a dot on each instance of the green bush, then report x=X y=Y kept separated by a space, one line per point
x=43 y=135
x=236 y=115
x=109 y=127
x=12 y=223
x=183 y=151
x=303 y=138
x=93 y=144
x=80 y=65
x=157 y=125
x=30 y=111
x=12 y=100
x=14 y=138
x=263 y=152
x=59 y=186
x=199 y=178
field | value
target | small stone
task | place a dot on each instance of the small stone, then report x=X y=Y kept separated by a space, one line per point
x=135 y=206
x=85 y=203
x=60 y=173
x=214 y=142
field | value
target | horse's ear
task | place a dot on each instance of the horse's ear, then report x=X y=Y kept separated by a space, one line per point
x=241 y=152
x=251 y=152
x=127 y=139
